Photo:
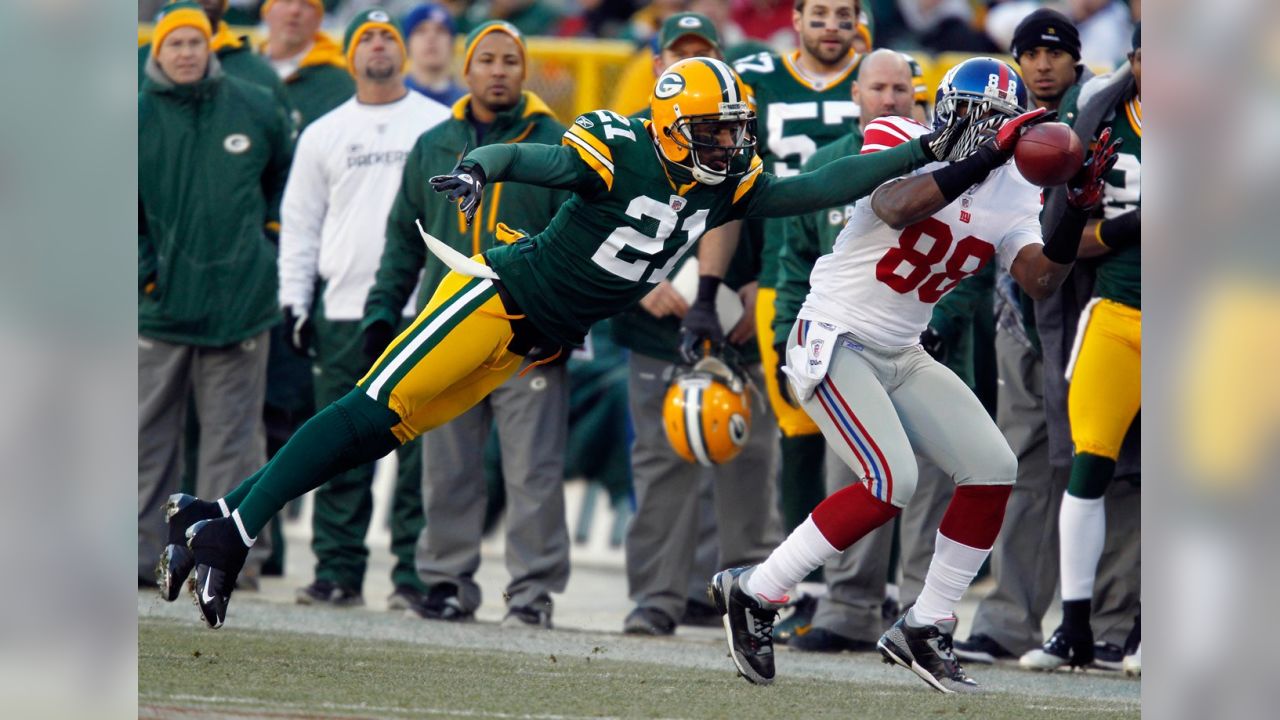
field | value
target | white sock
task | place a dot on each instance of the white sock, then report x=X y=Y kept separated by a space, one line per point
x=222 y=505
x=248 y=541
x=1082 y=529
x=804 y=550
x=951 y=571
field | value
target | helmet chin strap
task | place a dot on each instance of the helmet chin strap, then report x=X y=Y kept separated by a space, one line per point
x=705 y=177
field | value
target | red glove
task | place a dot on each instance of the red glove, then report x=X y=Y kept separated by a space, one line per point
x=1084 y=191
x=1007 y=137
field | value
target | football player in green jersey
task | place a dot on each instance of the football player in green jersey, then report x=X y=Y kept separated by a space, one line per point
x=643 y=194
x=1105 y=368
x=803 y=99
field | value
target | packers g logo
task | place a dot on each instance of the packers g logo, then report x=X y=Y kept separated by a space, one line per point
x=668 y=86
x=379 y=16
x=737 y=429
x=236 y=143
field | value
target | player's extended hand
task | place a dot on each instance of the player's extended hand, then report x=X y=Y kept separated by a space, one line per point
x=464 y=185
x=934 y=344
x=1006 y=138
x=297 y=322
x=700 y=332
x=940 y=144
x=1084 y=191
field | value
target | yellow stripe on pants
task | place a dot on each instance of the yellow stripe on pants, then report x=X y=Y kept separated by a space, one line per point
x=792 y=421
x=1106 y=380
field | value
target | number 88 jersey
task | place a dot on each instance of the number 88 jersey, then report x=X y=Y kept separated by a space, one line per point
x=881 y=284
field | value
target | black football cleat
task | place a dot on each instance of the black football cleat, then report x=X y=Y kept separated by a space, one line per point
x=181 y=511
x=927 y=652
x=219 y=555
x=748 y=625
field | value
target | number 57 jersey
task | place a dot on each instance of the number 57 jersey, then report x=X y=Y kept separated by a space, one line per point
x=881 y=284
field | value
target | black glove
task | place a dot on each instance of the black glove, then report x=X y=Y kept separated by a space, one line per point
x=376 y=339
x=701 y=324
x=465 y=185
x=297 y=324
x=934 y=344
x=784 y=383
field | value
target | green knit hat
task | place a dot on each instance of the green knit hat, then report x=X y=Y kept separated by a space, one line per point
x=371 y=18
x=475 y=36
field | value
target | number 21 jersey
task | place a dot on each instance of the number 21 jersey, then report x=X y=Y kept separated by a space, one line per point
x=881 y=284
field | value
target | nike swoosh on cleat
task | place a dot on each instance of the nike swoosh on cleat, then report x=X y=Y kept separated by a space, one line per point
x=204 y=592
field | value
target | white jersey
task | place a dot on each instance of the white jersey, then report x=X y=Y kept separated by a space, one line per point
x=881 y=284
x=346 y=171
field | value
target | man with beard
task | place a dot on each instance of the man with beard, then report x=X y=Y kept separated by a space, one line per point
x=344 y=178
x=531 y=410
x=803 y=102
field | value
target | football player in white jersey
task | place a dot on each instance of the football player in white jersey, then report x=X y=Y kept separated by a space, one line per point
x=854 y=359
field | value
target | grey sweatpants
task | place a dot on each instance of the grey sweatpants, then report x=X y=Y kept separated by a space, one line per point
x=1024 y=562
x=662 y=538
x=229 y=387
x=532 y=413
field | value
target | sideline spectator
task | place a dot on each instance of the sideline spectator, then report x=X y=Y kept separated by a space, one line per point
x=531 y=409
x=429 y=33
x=213 y=153
x=346 y=171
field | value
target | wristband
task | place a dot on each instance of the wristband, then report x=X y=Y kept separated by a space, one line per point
x=959 y=176
x=1061 y=247
x=1121 y=231
x=707 y=287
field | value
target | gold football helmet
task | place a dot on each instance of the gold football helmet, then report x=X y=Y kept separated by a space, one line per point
x=707 y=412
x=703 y=118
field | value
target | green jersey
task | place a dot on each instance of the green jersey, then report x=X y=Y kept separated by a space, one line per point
x=796 y=115
x=633 y=215
x=1119 y=274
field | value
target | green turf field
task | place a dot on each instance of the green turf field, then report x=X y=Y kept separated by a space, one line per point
x=280 y=661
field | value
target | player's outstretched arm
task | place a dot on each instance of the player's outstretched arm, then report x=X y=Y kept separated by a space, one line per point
x=551 y=166
x=913 y=199
x=1040 y=269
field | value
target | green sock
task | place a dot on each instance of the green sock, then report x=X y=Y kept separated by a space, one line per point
x=347 y=434
x=1090 y=475
x=803 y=484
x=239 y=492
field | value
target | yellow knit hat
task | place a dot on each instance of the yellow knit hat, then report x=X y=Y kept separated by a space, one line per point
x=317 y=4
x=177 y=15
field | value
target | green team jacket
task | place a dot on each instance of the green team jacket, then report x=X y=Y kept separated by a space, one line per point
x=321 y=82
x=812 y=235
x=633 y=215
x=526 y=207
x=637 y=330
x=212 y=162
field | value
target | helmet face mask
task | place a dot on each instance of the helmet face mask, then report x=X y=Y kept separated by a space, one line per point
x=703 y=120
x=986 y=88
x=715 y=142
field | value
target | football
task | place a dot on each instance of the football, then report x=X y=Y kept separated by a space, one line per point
x=1049 y=154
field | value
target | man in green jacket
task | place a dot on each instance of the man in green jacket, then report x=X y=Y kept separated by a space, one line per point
x=532 y=409
x=235 y=54
x=213 y=153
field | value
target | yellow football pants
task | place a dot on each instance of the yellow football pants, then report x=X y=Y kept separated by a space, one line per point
x=1106 y=377
x=792 y=421
x=452 y=356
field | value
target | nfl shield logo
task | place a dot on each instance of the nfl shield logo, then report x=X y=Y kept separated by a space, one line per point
x=677 y=203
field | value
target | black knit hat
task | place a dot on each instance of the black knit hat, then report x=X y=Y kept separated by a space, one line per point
x=1046 y=28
